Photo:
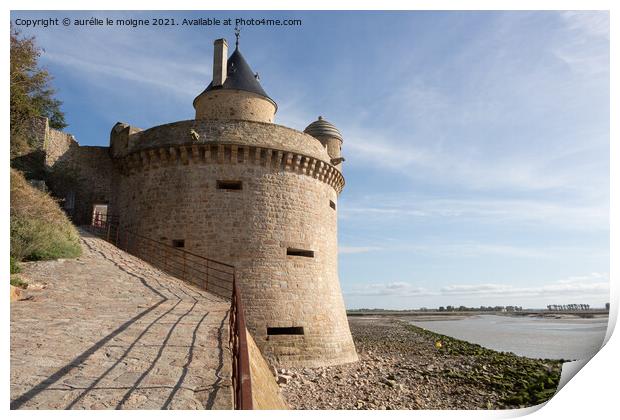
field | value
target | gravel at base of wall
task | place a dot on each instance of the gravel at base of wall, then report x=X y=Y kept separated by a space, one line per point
x=400 y=367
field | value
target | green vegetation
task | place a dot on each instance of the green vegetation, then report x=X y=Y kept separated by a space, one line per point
x=31 y=93
x=14 y=266
x=40 y=230
x=520 y=381
x=17 y=282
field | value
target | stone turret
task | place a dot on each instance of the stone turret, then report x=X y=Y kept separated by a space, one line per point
x=235 y=92
x=232 y=186
x=330 y=138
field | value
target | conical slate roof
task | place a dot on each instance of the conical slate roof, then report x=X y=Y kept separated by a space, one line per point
x=323 y=128
x=240 y=76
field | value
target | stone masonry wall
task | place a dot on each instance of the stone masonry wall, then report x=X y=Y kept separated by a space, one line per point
x=81 y=174
x=37 y=131
x=246 y=133
x=228 y=104
x=173 y=198
x=57 y=144
x=87 y=173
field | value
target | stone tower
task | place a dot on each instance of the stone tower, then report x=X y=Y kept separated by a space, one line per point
x=233 y=186
x=330 y=138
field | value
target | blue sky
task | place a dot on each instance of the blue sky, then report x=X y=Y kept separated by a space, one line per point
x=477 y=143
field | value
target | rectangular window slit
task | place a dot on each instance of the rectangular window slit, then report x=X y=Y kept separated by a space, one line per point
x=229 y=185
x=299 y=252
x=178 y=243
x=332 y=204
x=285 y=330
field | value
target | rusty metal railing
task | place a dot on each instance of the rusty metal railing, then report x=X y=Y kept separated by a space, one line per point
x=238 y=340
x=211 y=275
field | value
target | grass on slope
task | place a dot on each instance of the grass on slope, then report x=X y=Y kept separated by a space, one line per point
x=40 y=230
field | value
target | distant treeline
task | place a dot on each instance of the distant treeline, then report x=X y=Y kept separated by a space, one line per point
x=447 y=309
x=572 y=307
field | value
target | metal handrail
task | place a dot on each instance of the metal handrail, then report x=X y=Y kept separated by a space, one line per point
x=162 y=256
x=212 y=275
x=242 y=378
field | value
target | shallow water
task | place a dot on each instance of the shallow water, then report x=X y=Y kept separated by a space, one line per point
x=568 y=339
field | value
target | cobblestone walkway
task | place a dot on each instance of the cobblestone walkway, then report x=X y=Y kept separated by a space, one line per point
x=111 y=332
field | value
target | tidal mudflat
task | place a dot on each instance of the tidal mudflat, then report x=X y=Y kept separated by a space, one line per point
x=558 y=337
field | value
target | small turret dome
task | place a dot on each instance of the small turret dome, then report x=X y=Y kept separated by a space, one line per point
x=322 y=129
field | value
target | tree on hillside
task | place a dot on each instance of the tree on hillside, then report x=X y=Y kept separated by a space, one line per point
x=31 y=93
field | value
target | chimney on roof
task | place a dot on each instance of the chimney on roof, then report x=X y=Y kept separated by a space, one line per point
x=220 y=59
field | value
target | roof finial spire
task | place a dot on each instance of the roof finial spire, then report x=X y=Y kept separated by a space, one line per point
x=237 y=34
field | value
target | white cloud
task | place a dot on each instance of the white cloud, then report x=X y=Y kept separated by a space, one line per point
x=442 y=160
x=467 y=289
x=475 y=249
x=564 y=215
x=582 y=50
x=127 y=58
x=589 y=23
x=472 y=249
x=587 y=278
x=472 y=164
x=593 y=284
x=509 y=124
x=129 y=72
x=400 y=289
x=371 y=147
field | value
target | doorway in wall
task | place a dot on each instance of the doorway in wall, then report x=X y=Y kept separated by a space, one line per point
x=100 y=215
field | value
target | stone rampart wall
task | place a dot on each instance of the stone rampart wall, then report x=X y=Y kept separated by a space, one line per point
x=281 y=203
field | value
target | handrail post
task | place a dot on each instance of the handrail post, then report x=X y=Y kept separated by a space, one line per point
x=244 y=379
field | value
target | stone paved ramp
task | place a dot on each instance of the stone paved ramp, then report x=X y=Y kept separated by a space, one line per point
x=110 y=331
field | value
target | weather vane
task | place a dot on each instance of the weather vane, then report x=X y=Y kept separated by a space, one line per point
x=237 y=34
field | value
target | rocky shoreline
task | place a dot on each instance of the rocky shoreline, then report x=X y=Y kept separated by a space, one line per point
x=406 y=367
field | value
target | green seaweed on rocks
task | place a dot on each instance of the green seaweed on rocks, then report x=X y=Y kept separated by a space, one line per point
x=520 y=381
